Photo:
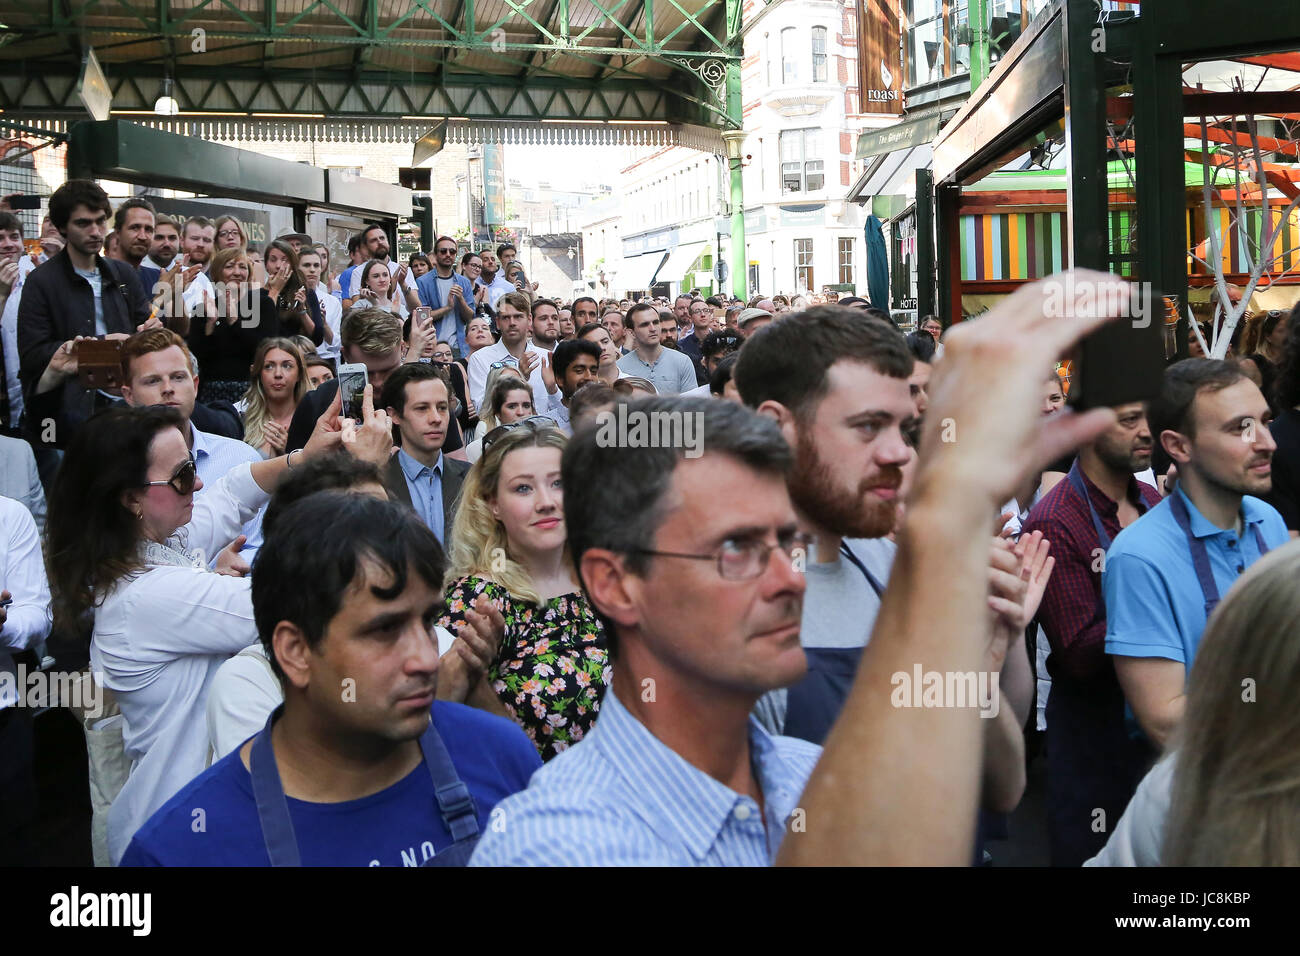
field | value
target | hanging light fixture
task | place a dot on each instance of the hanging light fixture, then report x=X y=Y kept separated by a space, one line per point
x=165 y=105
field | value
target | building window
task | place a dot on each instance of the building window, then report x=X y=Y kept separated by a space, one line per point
x=789 y=61
x=801 y=164
x=803 y=264
x=924 y=41
x=846 y=260
x=819 y=54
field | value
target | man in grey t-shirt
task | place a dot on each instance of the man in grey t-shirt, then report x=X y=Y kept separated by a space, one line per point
x=670 y=371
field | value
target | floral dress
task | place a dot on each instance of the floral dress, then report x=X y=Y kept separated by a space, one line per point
x=553 y=667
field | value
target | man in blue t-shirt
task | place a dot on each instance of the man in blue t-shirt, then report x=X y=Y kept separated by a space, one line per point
x=344 y=595
x=1166 y=571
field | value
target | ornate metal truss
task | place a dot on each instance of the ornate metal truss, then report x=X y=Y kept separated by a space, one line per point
x=527 y=61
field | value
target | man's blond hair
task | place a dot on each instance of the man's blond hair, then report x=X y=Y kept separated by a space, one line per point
x=372 y=331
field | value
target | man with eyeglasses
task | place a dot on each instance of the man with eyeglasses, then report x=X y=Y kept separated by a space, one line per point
x=448 y=294
x=668 y=794
x=701 y=315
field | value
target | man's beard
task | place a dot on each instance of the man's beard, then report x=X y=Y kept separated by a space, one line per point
x=1128 y=459
x=852 y=515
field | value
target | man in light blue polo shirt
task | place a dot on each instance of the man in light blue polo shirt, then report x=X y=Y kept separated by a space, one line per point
x=1167 y=571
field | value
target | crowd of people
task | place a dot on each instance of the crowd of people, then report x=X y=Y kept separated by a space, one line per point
x=446 y=613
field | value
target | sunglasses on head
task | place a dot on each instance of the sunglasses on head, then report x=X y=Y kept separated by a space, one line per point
x=535 y=423
x=182 y=482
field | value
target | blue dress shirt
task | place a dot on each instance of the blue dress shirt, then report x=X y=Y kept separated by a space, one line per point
x=1154 y=604
x=621 y=797
x=425 y=485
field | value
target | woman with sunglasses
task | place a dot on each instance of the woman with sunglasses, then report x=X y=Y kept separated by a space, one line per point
x=509 y=541
x=129 y=547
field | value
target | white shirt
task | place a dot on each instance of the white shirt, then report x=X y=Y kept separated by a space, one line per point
x=1139 y=837
x=498 y=287
x=9 y=329
x=333 y=310
x=214 y=455
x=197 y=289
x=393 y=264
x=159 y=637
x=480 y=365
x=244 y=692
x=22 y=574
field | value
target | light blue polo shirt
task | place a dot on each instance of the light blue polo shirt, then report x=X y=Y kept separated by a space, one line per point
x=1154 y=603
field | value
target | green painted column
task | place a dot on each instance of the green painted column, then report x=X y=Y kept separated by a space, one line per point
x=980 y=57
x=735 y=139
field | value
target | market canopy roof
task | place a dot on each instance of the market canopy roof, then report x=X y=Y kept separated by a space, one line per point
x=649 y=71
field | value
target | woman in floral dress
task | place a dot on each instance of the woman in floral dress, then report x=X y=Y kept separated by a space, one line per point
x=508 y=541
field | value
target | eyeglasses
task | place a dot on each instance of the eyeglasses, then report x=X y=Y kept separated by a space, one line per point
x=227 y=233
x=445 y=252
x=504 y=363
x=744 y=559
x=536 y=423
x=183 y=481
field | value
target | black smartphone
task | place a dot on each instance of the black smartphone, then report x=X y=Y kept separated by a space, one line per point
x=24 y=202
x=1123 y=361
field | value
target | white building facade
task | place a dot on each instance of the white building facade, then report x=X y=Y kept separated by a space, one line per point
x=802 y=120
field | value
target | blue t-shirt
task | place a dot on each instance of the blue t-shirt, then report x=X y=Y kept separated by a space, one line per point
x=345 y=283
x=213 y=820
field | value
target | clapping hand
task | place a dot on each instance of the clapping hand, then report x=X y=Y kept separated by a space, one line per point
x=477 y=644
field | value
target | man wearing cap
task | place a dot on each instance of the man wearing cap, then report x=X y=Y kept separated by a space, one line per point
x=751 y=320
x=297 y=240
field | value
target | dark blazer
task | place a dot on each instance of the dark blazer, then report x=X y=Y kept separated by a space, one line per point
x=453 y=476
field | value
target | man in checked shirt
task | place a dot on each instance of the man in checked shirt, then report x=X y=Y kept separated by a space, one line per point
x=1093 y=764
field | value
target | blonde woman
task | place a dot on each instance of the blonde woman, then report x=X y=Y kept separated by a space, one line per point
x=509 y=542
x=230 y=235
x=1228 y=791
x=278 y=383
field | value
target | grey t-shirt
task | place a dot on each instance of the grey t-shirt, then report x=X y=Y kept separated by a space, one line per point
x=839 y=610
x=97 y=290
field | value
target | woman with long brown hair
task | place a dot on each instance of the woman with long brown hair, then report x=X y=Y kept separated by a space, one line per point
x=277 y=383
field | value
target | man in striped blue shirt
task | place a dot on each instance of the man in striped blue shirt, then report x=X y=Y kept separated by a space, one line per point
x=675 y=772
